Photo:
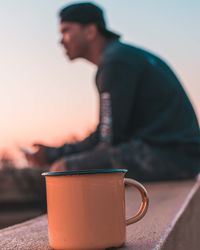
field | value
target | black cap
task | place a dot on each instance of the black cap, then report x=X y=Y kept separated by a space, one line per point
x=86 y=13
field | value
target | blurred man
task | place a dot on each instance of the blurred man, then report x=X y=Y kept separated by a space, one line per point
x=146 y=121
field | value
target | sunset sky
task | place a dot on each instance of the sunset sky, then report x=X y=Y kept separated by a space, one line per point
x=46 y=98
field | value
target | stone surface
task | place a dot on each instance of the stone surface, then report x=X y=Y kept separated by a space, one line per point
x=173 y=206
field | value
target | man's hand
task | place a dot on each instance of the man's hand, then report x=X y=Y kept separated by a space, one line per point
x=59 y=165
x=37 y=159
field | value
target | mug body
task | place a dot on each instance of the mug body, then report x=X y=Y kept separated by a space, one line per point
x=86 y=209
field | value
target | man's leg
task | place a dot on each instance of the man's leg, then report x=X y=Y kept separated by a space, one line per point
x=152 y=163
x=144 y=162
x=99 y=158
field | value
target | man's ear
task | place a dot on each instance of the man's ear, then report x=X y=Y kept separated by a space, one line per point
x=91 y=31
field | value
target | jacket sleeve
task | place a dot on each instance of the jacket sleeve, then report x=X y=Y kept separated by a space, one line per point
x=54 y=153
x=118 y=81
x=84 y=145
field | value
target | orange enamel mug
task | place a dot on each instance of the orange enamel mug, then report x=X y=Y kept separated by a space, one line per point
x=86 y=208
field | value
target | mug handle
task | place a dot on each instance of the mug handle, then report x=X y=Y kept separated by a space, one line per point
x=145 y=201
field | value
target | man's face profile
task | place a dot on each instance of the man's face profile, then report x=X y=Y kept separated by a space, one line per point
x=74 y=39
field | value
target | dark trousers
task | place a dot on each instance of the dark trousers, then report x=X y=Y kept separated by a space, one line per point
x=144 y=162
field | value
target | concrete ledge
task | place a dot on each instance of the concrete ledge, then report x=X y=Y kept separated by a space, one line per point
x=172 y=222
x=184 y=231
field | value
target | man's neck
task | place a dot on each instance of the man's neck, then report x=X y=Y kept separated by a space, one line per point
x=96 y=49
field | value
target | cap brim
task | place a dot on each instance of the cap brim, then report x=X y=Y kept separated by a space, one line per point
x=110 y=34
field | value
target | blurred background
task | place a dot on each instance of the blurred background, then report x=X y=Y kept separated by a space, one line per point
x=45 y=98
